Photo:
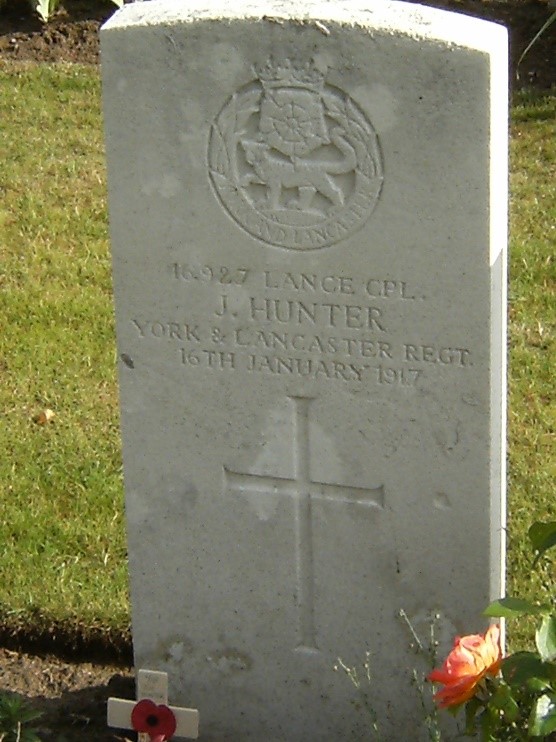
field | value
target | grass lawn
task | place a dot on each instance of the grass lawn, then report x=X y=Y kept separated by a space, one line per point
x=62 y=544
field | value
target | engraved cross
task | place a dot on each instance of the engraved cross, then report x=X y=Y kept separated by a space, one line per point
x=304 y=490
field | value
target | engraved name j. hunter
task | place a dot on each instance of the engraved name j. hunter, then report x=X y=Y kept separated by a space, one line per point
x=296 y=312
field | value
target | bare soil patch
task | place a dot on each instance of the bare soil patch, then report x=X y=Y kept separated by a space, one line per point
x=70 y=36
x=71 y=696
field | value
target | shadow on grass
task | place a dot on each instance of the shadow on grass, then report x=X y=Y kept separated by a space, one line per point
x=70 y=642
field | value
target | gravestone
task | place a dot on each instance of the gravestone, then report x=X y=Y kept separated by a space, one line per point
x=308 y=222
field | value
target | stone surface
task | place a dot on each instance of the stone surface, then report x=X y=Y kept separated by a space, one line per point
x=307 y=208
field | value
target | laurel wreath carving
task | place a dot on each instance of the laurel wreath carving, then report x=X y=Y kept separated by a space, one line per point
x=362 y=136
x=228 y=130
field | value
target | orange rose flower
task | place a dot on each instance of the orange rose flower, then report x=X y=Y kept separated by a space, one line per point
x=471 y=658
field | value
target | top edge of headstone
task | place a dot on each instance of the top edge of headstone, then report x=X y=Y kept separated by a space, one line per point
x=390 y=16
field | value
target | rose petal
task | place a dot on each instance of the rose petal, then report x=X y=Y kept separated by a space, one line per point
x=472 y=657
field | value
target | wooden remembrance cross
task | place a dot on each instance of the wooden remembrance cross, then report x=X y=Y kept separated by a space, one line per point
x=152 y=685
x=303 y=489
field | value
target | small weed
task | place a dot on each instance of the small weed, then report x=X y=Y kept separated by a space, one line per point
x=428 y=652
x=363 y=700
x=15 y=715
x=363 y=683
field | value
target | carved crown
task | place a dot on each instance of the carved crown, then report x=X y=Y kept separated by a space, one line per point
x=290 y=74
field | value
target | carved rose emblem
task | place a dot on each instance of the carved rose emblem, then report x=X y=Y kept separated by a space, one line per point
x=292 y=121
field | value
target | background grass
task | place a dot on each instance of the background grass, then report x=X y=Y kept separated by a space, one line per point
x=532 y=337
x=62 y=545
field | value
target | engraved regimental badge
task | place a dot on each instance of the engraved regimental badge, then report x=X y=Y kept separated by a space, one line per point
x=294 y=160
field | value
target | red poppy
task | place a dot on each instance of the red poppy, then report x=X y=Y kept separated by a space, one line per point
x=157 y=721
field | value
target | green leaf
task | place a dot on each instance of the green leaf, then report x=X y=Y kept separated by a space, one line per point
x=45 y=8
x=545 y=638
x=543 y=717
x=504 y=701
x=490 y=722
x=471 y=708
x=14 y=714
x=537 y=685
x=542 y=536
x=513 y=607
x=519 y=668
x=28 y=735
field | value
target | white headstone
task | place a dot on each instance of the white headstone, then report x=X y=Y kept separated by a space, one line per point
x=308 y=220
